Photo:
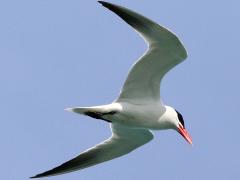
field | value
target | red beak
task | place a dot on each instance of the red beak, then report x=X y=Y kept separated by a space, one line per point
x=185 y=134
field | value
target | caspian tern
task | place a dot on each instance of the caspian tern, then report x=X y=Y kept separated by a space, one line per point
x=138 y=109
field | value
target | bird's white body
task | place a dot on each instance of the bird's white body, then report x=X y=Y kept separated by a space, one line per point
x=149 y=116
x=139 y=115
x=139 y=108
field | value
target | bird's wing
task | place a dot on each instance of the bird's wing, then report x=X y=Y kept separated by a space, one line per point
x=165 y=51
x=122 y=141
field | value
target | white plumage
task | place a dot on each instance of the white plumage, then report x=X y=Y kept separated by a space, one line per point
x=138 y=109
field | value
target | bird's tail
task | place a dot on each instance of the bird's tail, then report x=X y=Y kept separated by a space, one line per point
x=85 y=110
x=98 y=112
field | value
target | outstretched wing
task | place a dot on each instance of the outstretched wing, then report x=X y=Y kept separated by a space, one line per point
x=122 y=141
x=165 y=51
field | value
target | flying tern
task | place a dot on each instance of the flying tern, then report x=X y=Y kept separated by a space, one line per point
x=138 y=109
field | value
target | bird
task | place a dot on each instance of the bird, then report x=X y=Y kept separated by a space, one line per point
x=138 y=109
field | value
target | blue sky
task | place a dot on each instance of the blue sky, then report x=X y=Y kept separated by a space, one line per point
x=56 y=54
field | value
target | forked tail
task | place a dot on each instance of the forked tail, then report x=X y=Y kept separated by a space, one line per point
x=103 y=112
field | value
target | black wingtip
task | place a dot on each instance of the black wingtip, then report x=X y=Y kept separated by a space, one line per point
x=37 y=176
x=33 y=177
x=102 y=2
x=105 y=4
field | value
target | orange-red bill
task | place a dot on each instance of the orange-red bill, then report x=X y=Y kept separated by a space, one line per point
x=185 y=134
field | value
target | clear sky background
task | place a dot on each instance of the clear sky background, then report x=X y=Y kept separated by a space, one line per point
x=56 y=54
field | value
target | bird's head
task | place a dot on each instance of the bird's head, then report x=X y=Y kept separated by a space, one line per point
x=172 y=119
x=180 y=127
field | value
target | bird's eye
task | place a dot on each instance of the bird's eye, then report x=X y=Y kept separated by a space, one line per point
x=180 y=118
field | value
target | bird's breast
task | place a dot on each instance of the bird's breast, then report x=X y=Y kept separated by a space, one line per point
x=142 y=116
